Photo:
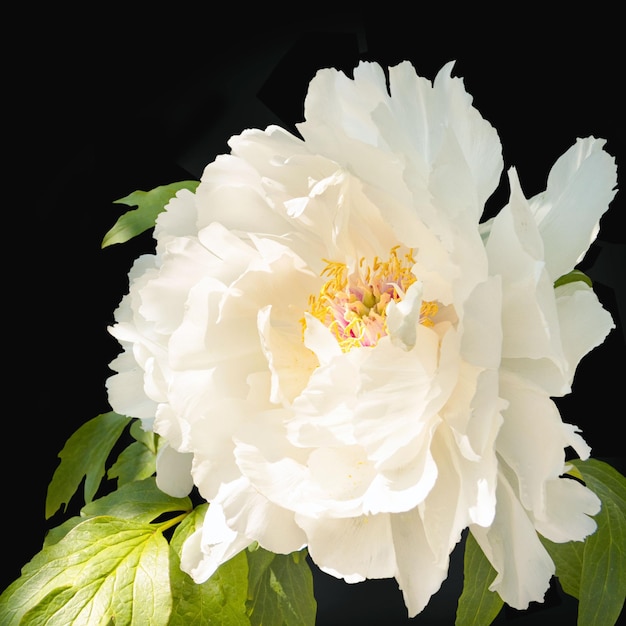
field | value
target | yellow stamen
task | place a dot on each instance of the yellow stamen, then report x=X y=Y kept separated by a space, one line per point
x=354 y=307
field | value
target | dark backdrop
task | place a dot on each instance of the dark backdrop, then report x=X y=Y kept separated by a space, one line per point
x=109 y=102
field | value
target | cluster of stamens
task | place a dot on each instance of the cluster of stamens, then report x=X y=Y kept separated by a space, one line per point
x=354 y=306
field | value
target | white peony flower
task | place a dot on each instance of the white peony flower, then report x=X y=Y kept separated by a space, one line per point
x=348 y=360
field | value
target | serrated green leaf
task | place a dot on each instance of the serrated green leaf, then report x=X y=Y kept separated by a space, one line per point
x=58 y=532
x=477 y=605
x=573 y=277
x=134 y=463
x=280 y=589
x=84 y=456
x=221 y=600
x=103 y=569
x=603 y=576
x=149 y=204
x=141 y=501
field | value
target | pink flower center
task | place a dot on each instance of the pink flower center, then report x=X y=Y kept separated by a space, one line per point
x=354 y=306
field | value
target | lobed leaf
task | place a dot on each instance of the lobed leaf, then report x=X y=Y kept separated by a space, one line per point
x=477 y=605
x=141 y=501
x=84 y=456
x=135 y=462
x=149 y=204
x=104 y=569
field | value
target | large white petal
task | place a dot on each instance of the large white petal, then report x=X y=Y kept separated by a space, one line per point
x=178 y=219
x=511 y=544
x=125 y=389
x=532 y=438
x=251 y=514
x=354 y=548
x=584 y=323
x=568 y=510
x=529 y=317
x=419 y=571
x=581 y=184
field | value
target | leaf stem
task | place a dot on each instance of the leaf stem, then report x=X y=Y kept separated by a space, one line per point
x=172 y=522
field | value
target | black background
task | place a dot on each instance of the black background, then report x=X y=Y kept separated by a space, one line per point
x=104 y=103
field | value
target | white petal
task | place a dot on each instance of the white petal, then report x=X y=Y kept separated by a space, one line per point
x=173 y=472
x=210 y=546
x=513 y=548
x=178 y=219
x=481 y=340
x=353 y=549
x=515 y=249
x=569 y=505
x=403 y=317
x=123 y=389
x=419 y=572
x=532 y=439
x=580 y=187
x=253 y=515
x=184 y=263
x=290 y=362
x=584 y=322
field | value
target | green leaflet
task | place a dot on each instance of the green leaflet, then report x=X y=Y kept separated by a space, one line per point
x=477 y=605
x=280 y=589
x=221 y=600
x=149 y=204
x=138 y=460
x=140 y=501
x=595 y=571
x=84 y=456
x=572 y=277
x=103 y=569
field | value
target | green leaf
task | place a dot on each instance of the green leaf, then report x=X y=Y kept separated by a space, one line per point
x=568 y=559
x=477 y=605
x=149 y=204
x=221 y=600
x=105 y=569
x=603 y=576
x=135 y=462
x=280 y=589
x=141 y=501
x=572 y=277
x=138 y=460
x=84 y=456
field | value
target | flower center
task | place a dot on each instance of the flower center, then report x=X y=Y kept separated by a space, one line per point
x=354 y=306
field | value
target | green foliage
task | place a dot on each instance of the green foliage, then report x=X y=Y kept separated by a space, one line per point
x=573 y=277
x=84 y=456
x=280 y=589
x=477 y=605
x=113 y=564
x=149 y=204
x=141 y=501
x=138 y=460
x=595 y=571
x=103 y=569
